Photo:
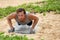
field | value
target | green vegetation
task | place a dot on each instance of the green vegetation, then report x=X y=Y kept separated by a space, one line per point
x=50 y=5
x=13 y=37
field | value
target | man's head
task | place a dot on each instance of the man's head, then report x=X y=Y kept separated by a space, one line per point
x=21 y=13
x=20 y=10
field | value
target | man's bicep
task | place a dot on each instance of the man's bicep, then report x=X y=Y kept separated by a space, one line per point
x=32 y=17
x=11 y=16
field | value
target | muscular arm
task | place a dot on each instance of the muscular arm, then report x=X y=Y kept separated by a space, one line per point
x=9 y=18
x=32 y=17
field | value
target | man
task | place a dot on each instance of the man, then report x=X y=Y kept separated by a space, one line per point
x=24 y=21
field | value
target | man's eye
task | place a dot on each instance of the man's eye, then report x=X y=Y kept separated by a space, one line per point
x=18 y=15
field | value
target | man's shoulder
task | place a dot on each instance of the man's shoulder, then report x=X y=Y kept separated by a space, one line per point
x=12 y=15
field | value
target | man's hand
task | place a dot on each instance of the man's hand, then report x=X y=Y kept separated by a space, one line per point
x=32 y=31
x=11 y=30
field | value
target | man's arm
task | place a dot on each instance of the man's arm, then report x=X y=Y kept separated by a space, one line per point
x=9 y=17
x=32 y=17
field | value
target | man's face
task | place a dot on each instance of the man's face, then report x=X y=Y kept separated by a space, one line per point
x=21 y=15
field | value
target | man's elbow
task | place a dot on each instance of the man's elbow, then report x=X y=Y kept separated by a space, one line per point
x=37 y=19
x=8 y=19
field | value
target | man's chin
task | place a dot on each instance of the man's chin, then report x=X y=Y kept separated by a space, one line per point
x=21 y=20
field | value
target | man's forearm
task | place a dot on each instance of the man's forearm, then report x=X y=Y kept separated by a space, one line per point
x=34 y=24
x=10 y=23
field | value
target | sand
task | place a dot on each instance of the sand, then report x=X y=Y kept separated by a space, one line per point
x=48 y=27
